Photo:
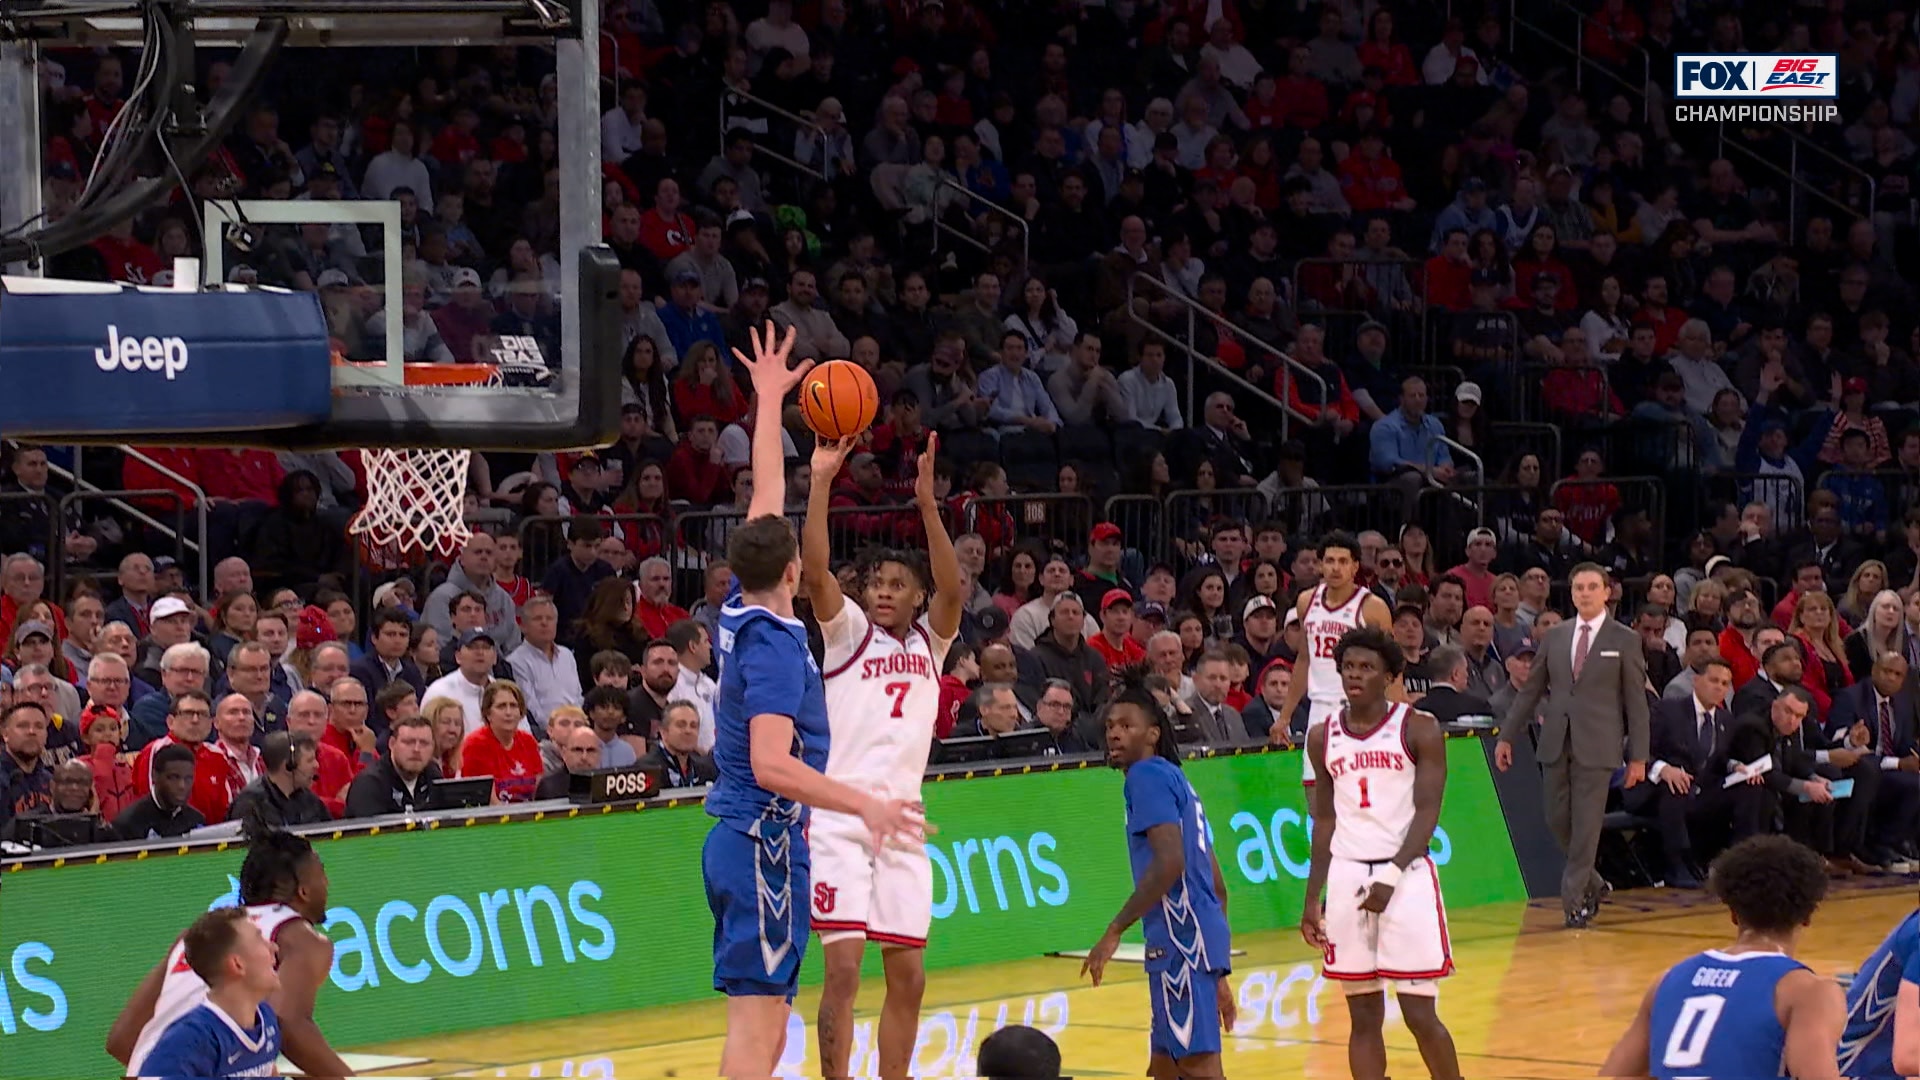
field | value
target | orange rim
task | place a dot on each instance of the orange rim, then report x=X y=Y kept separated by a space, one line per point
x=437 y=374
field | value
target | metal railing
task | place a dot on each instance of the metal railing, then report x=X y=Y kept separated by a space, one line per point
x=184 y=543
x=1396 y=285
x=1143 y=525
x=729 y=94
x=1194 y=313
x=1458 y=450
x=1059 y=520
x=1191 y=512
x=1019 y=224
x=1309 y=511
x=1576 y=50
x=1527 y=431
x=1784 y=495
x=1591 y=519
x=120 y=499
x=543 y=537
x=14 y=505
x=1798 y=179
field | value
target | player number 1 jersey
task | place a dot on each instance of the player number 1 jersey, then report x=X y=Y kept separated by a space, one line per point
x=1372 y=777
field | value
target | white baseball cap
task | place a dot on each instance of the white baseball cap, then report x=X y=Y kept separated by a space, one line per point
x=167 y=607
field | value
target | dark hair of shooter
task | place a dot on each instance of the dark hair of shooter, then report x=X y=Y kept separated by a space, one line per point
x=1130 y=687
x=1770 y=883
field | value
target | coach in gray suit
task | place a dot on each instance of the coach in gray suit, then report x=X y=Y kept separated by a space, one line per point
x=1588 y=686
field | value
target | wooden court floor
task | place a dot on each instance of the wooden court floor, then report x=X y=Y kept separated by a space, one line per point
x=1529 y=999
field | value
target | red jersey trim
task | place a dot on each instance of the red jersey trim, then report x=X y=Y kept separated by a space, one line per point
x=835 y=926
x=1384 y=721
x=896 y=939
x=858 y=651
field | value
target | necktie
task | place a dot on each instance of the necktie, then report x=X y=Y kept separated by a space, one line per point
x=1580 y=648
x=1706 y=736
x=1886 y=726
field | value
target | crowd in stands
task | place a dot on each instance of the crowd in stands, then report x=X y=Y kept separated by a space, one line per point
x=1252 y=271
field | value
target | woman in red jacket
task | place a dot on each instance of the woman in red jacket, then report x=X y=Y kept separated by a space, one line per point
x=1381 y=51
x=646 y=495
x=692 y=474
x=1823 y=652
x=706 y=388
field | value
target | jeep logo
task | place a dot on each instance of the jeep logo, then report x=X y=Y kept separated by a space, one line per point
x=168 y=354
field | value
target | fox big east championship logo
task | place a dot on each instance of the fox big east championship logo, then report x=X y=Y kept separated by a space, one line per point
x=1711 y=75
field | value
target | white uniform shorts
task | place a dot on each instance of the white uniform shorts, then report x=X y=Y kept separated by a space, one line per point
x=1318 y=713
x=884 y=896
x=1405 y=945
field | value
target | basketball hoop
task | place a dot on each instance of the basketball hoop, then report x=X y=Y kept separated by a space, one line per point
x=416 y=496
x=415 y=506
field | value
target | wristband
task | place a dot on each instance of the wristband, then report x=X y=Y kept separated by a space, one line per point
x=1388 y=875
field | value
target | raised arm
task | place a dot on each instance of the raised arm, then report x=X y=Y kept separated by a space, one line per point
x=816 y=539
x=772 y=382
x=949 y=588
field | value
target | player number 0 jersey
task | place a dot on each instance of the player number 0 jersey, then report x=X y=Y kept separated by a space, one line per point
x=883 y=698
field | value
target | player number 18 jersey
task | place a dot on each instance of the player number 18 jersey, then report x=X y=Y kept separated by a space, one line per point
x=1324 y=627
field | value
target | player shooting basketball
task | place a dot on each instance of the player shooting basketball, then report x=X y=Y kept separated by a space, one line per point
x=882 y=670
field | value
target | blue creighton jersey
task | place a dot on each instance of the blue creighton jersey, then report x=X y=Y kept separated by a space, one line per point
x=1187 y=929
x=207 y=1043
x=1714 y=1016
x=1866 y=1049
x=765 y=667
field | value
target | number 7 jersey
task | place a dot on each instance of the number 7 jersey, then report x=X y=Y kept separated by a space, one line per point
x=883 y=698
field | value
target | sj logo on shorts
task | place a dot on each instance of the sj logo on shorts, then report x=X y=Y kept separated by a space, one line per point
x=823 y=897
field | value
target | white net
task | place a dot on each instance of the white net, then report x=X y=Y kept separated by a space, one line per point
x=416 y=505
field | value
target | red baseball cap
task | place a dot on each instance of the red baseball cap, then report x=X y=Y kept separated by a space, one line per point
x=1106 y=530
x=1115 y=596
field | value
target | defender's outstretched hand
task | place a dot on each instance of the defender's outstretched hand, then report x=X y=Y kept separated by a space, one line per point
x=772 y=379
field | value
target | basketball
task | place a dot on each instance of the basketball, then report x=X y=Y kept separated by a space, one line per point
x=838 y=399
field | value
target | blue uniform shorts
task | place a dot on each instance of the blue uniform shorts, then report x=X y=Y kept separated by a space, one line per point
x=1186 y=1011
x=757 y=890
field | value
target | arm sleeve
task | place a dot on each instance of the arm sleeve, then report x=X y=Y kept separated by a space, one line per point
x=772 y=669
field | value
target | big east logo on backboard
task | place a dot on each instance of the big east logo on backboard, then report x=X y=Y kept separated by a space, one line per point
x=1713 y=76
